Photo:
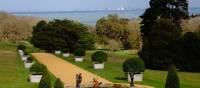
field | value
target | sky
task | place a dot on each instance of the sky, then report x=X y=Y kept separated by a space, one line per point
x=70 y=5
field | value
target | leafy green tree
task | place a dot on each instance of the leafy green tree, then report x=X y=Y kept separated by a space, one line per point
x=59 y=34
x=172 y=78
x=114 y=27
x=133 y=66
x=58 y=84
x=155 y=52
x=176 y=10
x=45 y=82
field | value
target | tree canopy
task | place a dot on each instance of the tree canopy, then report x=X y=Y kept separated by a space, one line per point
x=59 y=34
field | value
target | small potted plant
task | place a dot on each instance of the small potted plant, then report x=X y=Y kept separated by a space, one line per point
x=36 y=72
x=21 y=49
x=79 y=55
x=98 y=58
x=29 y=62
x=65 y=52
x=25 y=56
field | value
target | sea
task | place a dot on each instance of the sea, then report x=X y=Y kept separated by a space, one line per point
x=89 y=17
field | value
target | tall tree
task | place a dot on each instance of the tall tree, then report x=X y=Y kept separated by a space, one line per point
x=175 y=10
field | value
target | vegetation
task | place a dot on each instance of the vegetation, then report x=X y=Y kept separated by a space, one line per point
x=172 y=78
x=113 y=71
x=58 y=84
x=157 y=55
x=59 y=34
x=12 y=71
x=79 y=52
x=21 y=47
x=65 y=50
x=37 y=69
x=157 y=34
x=99 y=57
x=45 y=82
x=133 y=66
x=15 y=28
x=115 y=28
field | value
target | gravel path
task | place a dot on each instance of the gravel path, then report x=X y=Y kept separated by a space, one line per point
x=66 y=71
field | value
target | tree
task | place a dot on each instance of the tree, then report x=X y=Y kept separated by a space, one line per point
x=45 y=82
x=176 y=10
x=155 y=52
x=59 y=34
x=58 y=84
x=133 y=66
x=115 y=28
x=172 y=78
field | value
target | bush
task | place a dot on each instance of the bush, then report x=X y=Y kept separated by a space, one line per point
x=29 y=60
x=37 y=69
x=99 y=56
x=58 y=84
x=79 y=52
x=134 y=65
x=21 y=47
x=25 y=53
x=45 y=82
x=65 y=50
x=172 y=78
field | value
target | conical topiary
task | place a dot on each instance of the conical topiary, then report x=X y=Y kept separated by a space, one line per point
x=172 y=78
x=45 y=82
x=58 y=84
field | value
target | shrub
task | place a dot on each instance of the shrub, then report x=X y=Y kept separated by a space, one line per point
x=21 y=47
x=37 y=69
x=134 y=65
x=58 y=84
x=172 y=78
x=29 y=60
x=65 y=50
x=79 y=52
x=45 y=81
x=25 y=53
x=99 y=56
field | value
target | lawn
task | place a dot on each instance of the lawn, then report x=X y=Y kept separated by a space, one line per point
x=113 y=71
x=13 y=74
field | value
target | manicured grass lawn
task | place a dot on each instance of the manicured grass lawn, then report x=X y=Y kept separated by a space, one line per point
x=113 y=71
x=12 y=72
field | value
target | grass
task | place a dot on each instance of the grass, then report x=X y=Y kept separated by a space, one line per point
x=113 y=71
x=12 y=72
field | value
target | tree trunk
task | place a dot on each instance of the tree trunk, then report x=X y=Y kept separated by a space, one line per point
x=132 y=80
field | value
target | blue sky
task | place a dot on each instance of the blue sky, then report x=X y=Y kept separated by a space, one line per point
x=67 y=5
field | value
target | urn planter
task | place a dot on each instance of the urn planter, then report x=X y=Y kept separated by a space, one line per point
x=137 y=77
x=57 y=52
x=24 y=57
x=35 y=78
x=66 y=54
x=21 y=52
x=98 y=65
x=79 y=58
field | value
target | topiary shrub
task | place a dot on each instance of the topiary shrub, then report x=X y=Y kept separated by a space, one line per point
x=133 y=66
x=58 y=84
x=99 y=57
x=65 y=50
x=29 y=60
x=21 y=47
x=45 y=82
x=172 y=78
x=79 y=52
x=37 y=69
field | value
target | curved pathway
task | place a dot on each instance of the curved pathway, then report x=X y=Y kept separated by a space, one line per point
x=66 y=71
